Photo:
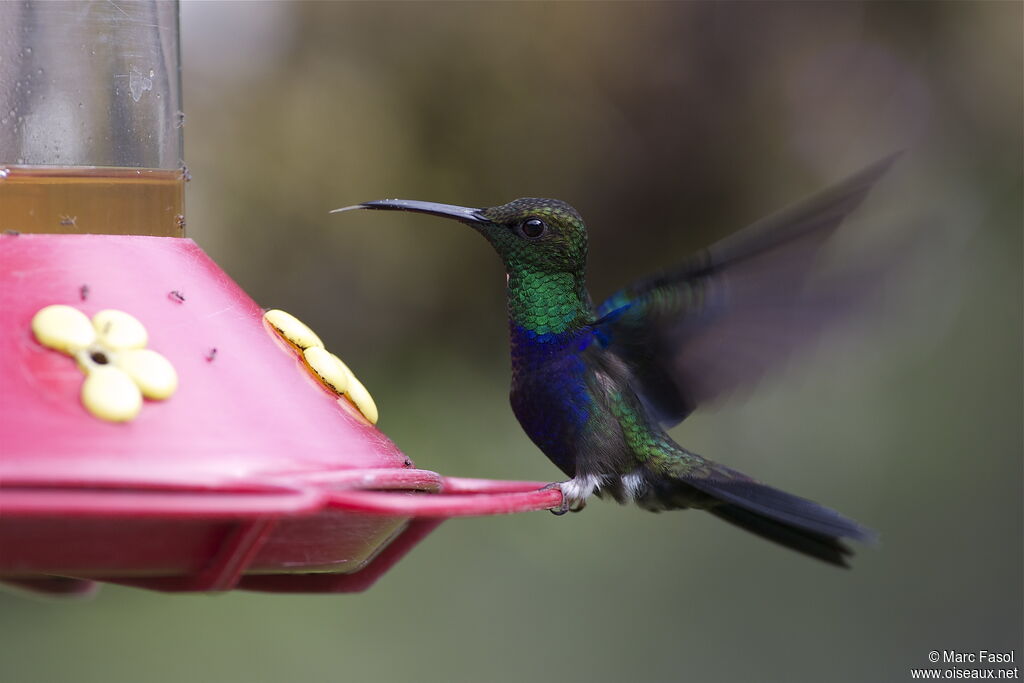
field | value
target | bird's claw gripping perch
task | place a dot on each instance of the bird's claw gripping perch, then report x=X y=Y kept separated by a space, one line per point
x=567 y=504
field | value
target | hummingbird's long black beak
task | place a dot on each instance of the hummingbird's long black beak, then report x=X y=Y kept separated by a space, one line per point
x=459 y=213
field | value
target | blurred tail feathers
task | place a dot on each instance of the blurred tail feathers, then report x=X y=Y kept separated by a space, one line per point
x=796 y=523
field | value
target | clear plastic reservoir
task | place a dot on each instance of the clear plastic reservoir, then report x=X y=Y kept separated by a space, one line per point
x=91 y=117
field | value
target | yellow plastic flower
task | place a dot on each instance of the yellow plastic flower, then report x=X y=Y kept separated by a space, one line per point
x=327 y=367
x=110 y=349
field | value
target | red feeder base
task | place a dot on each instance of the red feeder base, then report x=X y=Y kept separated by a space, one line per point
x=252 y=475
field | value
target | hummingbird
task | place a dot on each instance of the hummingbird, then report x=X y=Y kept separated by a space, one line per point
x=596 y=387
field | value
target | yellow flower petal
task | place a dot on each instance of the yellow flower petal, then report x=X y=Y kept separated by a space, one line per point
x=63 y=328
x=110 y=394
x=292 y=329
x=119 y=330
x=154 y=374
x=328 y=368
x=359 y=396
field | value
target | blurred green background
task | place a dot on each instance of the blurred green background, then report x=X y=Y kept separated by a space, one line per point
x=667 y=126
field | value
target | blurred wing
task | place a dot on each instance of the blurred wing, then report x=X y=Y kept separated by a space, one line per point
x=730 y=312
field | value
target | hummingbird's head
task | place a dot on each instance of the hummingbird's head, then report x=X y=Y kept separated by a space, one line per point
x=544 y=235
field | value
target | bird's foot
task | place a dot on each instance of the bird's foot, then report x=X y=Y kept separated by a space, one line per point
x=574 y=494
x=567 y=504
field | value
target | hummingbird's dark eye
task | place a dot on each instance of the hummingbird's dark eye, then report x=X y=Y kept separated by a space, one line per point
x=533 y=228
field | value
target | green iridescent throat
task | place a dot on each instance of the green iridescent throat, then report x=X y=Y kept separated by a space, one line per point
x=547 y=303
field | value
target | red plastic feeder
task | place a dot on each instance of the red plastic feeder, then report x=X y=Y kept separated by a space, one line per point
x=252 y=475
